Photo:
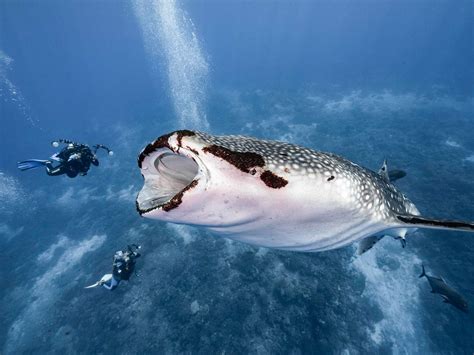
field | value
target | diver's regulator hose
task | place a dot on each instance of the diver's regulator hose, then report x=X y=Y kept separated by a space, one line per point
x=98 y=146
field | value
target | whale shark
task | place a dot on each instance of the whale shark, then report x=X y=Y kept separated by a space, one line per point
x=273 y=194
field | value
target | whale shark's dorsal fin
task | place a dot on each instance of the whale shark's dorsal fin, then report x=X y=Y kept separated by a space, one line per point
x=392 y=175
x=395 y=175
x=383 y=171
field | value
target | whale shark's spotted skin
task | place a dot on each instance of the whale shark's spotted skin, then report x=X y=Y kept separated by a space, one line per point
x=370 y=191
x=272 y=194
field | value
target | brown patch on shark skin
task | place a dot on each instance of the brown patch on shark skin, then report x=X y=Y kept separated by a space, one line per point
x=171 y=204
x=242 y=161
x=178 y=199
x=184 y=133
x=162 y=142
x=140 y=212
x=272 y=180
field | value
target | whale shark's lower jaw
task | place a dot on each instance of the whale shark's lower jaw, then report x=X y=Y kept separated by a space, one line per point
x=170 y=171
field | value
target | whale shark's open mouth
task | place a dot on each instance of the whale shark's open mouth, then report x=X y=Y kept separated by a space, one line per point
x=168 y=175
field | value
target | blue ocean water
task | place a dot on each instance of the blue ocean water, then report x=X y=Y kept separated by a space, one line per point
x=366 y=80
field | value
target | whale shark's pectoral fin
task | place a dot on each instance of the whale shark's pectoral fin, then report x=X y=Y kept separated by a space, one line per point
x=400 y=234
x=402 y=240
x=367 y=244
x=383 y=171
x=423 y=222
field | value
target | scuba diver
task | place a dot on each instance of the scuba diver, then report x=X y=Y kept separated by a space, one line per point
x=74 y=159
x=122 y=268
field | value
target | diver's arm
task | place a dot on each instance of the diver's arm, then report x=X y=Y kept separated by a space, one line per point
x=95 y=161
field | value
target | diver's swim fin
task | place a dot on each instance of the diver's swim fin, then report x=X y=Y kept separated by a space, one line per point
x=31 y=164
x=93 y=285
x=103 y=280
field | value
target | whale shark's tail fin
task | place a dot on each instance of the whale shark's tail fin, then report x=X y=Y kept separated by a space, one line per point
x=422 y=222
x=423 y=271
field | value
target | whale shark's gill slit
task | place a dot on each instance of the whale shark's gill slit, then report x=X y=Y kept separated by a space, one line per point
x=170 y=177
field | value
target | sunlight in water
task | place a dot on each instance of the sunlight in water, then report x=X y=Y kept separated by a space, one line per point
x=168 y=30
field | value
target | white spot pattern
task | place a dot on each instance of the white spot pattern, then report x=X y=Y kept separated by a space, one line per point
x=369 y=191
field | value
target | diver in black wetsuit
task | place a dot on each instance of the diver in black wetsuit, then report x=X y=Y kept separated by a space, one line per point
x=74 y=159
x=122 y=268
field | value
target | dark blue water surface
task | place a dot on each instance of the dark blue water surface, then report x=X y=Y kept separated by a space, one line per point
x=367 y=80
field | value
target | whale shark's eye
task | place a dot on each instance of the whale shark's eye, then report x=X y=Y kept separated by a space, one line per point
x=172 y=173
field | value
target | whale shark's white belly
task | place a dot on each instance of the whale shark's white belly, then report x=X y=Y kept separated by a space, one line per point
x=309 y=236
x=300 y=217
